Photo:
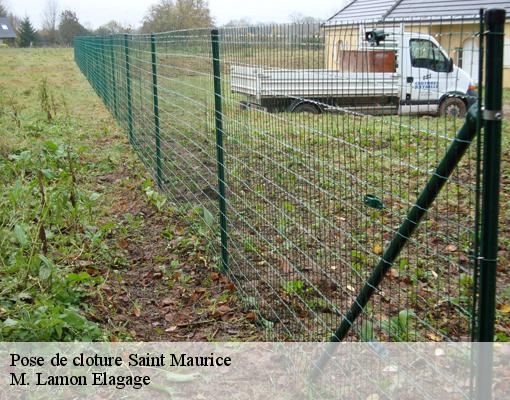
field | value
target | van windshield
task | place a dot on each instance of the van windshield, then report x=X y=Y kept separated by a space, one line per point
x=425 y=54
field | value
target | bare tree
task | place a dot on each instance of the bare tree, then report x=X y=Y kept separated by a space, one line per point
x=49 y=20
x=3 y=9
x=169 y=15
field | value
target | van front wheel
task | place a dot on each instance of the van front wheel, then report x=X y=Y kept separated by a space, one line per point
x=453 y=107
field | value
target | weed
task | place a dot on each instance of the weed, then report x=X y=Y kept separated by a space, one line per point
x=47 y=100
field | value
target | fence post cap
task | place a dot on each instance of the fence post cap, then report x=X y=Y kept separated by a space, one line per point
x=495 y=16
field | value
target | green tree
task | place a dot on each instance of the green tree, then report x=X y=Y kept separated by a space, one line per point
x=27 y=34
x=170 y=15
x=69 y=27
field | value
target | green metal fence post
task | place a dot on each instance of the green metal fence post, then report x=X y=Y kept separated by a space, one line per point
x=113 y=76
x=159 y=169
x=492 y=114
x=102 y=72
x=425 y=200
x=215 y=40
x=128 y=89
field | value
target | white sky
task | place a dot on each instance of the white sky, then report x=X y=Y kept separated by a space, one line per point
x=93 y=13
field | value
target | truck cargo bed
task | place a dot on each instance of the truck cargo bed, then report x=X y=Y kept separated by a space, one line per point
x=263 y=83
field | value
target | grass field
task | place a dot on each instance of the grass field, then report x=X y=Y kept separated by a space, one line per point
x=88 y=249
x=118 y=261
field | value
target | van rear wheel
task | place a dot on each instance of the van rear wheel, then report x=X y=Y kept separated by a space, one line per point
x=306 y=108
x=453 y=107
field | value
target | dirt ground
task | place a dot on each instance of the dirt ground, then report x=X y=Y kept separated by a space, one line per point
x=151 y=301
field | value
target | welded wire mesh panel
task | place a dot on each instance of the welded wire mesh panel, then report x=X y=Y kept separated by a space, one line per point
x=330 y=134
x=322 y=171
x=159 y=87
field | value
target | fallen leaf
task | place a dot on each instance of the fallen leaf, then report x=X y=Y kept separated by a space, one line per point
x=123 y=243
x=167 y=302
x=215 y=276
x=378 y=249
x=434 y=337
x=137 y=312
x=452 y=248
x=286 y=266
x=251 y=316
x=504 y=308
x=394 y=273
x=223 y=309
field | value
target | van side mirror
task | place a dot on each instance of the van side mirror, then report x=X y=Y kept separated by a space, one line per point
x=450 y=65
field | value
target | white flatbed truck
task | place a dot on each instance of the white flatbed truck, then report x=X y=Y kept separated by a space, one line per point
x=422 y=80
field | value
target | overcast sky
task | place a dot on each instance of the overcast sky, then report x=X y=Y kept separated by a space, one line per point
x=93 y=13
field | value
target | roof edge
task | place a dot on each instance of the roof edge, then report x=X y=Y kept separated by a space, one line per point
x=473 y=18
x=342 y=10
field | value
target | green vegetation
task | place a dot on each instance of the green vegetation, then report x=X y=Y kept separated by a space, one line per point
x=78 y=211
x=27 y=35
x=52 y=236
x=89 y=250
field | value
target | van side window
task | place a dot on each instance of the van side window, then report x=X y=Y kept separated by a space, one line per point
x=425 y=54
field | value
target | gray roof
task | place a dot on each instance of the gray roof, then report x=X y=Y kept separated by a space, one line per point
x=399 y=10
x=6 y=33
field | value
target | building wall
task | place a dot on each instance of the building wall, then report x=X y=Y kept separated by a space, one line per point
x=452 y=37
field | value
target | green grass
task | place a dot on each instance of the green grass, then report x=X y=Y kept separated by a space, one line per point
x=297 y=185
x=56 y=227
x=49 y=212
x=77 y=208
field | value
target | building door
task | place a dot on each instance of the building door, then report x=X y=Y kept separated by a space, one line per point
x=470 y=58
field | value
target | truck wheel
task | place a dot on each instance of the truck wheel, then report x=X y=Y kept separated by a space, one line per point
x=453 y=107
x=306 y=107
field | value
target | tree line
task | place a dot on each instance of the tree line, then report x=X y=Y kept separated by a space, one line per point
x=59 y=27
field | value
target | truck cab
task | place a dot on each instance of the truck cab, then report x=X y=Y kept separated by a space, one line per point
x=431 y=82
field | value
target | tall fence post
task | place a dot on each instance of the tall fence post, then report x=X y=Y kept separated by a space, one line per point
x=102 y=72
x=215 y=41
x=156 y=111
x=128 y=90
x=492 y=116
x=113 y=75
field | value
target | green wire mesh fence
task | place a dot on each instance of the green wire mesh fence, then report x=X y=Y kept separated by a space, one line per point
x=301 y=149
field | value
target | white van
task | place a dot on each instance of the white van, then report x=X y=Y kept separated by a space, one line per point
x=399 y=73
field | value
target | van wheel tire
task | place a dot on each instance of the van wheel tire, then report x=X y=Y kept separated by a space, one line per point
x=453 y=107
x=306 y=108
